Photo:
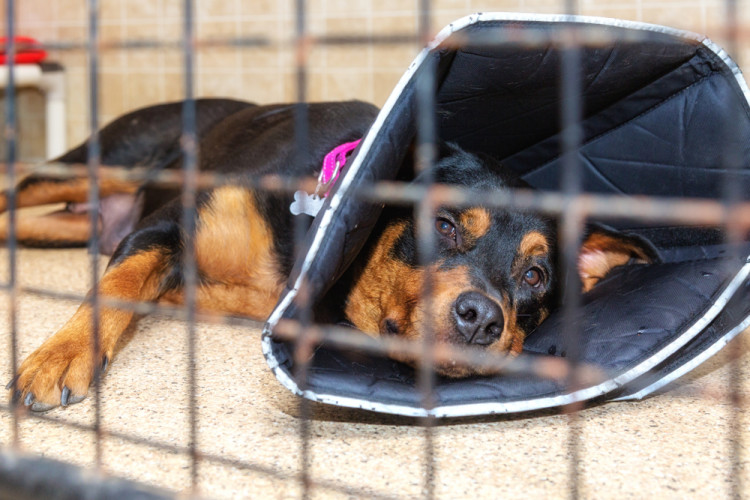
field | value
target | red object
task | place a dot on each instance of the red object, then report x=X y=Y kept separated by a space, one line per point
x=28 y=50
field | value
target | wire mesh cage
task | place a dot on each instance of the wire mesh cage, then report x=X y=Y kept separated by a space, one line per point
x=640 y=126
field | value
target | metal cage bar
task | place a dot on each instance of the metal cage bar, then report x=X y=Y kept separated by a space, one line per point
x=94 y=162
x=572 y=224
x=303 y=348
x=10 y=129
x=734 y=235
x=189 y=142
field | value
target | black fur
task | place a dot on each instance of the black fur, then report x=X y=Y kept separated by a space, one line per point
x=254 y=141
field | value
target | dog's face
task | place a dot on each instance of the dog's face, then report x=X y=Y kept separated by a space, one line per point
x=492 y=277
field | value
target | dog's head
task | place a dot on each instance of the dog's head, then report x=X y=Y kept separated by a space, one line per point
x=493 y=277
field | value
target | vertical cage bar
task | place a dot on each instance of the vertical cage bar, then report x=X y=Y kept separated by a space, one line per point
x=190 y=181
x=732 y=191
x=426 y=156
x=93 y=162
x=302 y=349
x=426 y=136
x=571 y=225
x=10 y=138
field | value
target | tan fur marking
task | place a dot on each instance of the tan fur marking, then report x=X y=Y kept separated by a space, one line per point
x=383 y=284
x=533 y=244
x=476 y=221
x=65 y=359
x=595 y=265
x=234 y=252
x=416 y=315
x=240 y=299
x=511 y=341
x=63 y=227
x=600 y=254
x=73 y=190
x=445 y=286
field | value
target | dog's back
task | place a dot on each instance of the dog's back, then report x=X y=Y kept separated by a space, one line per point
x=237 y=139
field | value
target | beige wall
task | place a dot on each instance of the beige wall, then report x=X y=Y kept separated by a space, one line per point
x=134 y=78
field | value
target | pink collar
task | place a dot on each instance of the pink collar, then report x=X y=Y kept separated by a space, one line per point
x=310 y=204
x=333 y=163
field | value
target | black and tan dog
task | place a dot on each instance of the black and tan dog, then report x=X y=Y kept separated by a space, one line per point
x=492 y=280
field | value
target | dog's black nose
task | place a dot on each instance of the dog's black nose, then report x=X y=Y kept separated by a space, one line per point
x=478 y=318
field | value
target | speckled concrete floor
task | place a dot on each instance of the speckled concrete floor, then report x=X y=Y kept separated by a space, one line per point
x=674 y=445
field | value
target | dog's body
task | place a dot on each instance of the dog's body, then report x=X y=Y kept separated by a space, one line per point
x=491 y=282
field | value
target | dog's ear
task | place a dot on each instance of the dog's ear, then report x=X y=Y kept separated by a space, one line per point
x=604 y=248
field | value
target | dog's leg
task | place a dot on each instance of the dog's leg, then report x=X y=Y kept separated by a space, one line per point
x=61 y=369
x=237 y=264
x=119 y=210
x=56 y=229
x=42 y=190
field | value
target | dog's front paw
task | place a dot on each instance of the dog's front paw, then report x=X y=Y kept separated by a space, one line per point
x=58 y=373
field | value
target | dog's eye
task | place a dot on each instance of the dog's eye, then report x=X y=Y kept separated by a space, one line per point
x=445 y=228
x=533 y=277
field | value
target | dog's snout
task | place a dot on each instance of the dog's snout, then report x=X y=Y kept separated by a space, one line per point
x=479 y=319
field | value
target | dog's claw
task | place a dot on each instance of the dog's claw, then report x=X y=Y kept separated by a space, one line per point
x=105 y=364
x=64 y=396
x=67 y=399
x=16 y=397
x=12 y=383
x=28 y=399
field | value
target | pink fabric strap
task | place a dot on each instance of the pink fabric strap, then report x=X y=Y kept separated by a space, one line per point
x=332 y=165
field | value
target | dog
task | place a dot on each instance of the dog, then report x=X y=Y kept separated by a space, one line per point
x=493 y=278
